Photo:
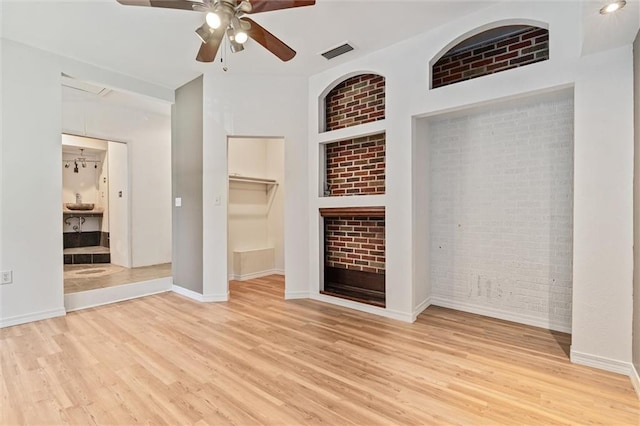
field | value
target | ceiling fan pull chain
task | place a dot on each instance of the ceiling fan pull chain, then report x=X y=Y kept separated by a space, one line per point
x=223 y=56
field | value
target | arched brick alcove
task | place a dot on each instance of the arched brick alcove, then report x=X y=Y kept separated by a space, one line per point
x=357 y=100
x=488 y=52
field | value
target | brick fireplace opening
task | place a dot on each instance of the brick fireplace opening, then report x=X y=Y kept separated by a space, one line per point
x=354 y=254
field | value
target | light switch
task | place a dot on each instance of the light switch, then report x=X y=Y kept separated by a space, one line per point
x=178 y=202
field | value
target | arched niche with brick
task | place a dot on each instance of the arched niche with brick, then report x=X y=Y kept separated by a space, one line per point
x=353 y=100
x=490 y=49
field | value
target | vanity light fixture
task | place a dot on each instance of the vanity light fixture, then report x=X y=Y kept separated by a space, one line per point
x=612 y=7
x=81 y=160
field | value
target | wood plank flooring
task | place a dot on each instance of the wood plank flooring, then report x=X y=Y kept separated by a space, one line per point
x=258 y=359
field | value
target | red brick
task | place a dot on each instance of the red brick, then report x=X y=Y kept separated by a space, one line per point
x=354 y=94
x=516 y=49
x=356 y=166
x=360 y=254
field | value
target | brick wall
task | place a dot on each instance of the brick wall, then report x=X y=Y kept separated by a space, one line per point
x=522 y=48
x=355 y=243
x=357 y=100
x=356 y=166
x=501 y=209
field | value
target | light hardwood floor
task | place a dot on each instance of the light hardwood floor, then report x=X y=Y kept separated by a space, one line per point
x=258 y=359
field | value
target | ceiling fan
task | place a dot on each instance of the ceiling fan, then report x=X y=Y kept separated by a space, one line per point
x=225 y=17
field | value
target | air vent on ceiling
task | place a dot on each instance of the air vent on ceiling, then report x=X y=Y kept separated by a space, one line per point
x=337 y=51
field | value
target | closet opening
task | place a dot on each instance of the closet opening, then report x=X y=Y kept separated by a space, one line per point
x=256 y=214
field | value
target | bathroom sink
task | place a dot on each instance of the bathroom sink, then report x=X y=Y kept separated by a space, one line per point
x=80 y=206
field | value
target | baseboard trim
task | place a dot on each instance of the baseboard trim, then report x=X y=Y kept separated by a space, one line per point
x=205 y=298
x=500 y=314
x=601 y=363
x=215 y=297
x=420 y=308
x=290 y=295
x=35 y=316
x=363 y=307
x=254 y=275
x=120 y=293
x=635 y=379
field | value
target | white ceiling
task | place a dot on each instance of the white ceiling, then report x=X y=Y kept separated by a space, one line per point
x=117 y=99
x=159 y=45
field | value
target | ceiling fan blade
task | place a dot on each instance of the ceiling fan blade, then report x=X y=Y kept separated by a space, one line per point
x=170 y=4
x=208 y=50
x=267 y=5
x=270 y=42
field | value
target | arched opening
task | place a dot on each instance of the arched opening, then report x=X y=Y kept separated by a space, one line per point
x=357 y=100
x=493 y=50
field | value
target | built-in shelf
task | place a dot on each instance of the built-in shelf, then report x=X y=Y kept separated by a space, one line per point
x=377 y=211
x=357 y=131
x=268 y=183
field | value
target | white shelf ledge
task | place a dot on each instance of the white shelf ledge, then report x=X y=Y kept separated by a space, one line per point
x=268 y=183
x=248 y=179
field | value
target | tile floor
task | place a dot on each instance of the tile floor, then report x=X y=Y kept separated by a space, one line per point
x=90 y=277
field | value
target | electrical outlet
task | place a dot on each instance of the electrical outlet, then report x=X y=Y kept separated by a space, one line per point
x=7 y=277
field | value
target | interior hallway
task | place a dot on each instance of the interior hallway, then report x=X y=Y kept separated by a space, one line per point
x=258 y=359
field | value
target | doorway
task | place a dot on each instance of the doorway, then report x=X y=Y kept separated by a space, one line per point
x=95 y=206
x=256 y=212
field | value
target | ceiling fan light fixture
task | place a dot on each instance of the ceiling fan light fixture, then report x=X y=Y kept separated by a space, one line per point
x=240 y=28
x=221 y=14
x=204 y=32
x=233 y=44
x=240 y=36
x=213 y=20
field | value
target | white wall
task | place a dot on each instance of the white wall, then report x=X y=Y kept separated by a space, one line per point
x=248 y=157
x=256 y=216
x=103 y=190
x=602 y=265
x=275 y=219
x=120 y=201
x=31 y=89
x=420 y=219
x=148 y=136
x=31 y=210
x=603 y=209
x=501 y=212
x=636 y=208
x=262 y=106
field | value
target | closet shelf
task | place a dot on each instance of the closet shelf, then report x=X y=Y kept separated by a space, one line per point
x=269 y=183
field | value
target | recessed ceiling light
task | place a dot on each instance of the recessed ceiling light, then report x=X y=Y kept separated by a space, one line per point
x=612 y=7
